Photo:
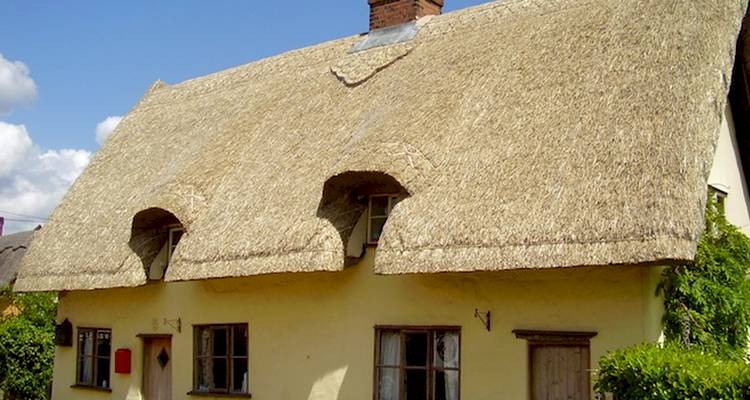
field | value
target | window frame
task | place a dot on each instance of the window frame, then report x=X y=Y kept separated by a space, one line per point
x=229 y=358
x=393 y=199
x=718 y=193
x=172 y=230
x=431 y=331
x=93 y=359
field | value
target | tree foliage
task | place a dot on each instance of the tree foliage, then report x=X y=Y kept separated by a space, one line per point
x=27 y=345
x=707 y=302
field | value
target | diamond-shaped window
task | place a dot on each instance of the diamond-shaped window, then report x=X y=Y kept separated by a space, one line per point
x=163 y=357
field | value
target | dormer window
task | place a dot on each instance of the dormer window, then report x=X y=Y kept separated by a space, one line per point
x=380 y=207
x=719 y=194
x=175 y=234
x=154 y=236
x=164 y=257
x=357 y=204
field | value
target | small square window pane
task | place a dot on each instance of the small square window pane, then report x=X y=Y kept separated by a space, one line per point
x=388 y=386
x=378 y=206
x=415 y=382
x=239 y=341
x=390 y=348
x=220 y=373
x=86 y=343
x=376 y=228
x=394 y=200
x=446 y=385
x=102 y=372
x=86 y=370
x=204 y=375
x=416 y=349
x=203 y=341
x=446 y=350
x=103 y=347
x=220 y=342
x=239 y=375
x=175 y=236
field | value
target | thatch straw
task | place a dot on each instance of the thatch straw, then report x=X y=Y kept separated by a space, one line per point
x=527 y=133
x=12 y=249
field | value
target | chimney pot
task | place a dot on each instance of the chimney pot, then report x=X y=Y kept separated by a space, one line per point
x=387 y=13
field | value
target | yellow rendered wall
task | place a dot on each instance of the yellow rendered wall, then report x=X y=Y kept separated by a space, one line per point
x=311 y=335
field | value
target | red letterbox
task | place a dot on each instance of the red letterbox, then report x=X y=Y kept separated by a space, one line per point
x=122 y=361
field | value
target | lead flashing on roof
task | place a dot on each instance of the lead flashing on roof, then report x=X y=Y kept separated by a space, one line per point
x=387 y=36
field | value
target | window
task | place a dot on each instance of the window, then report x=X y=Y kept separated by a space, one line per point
x=417 y=363
x=718 y=193
x=221 y=359
x=175 y=234
x=94 y=348
x=380 y=207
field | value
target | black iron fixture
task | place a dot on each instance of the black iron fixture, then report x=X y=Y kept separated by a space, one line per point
x=64 y=334
x=484 y=317
x=174 y=323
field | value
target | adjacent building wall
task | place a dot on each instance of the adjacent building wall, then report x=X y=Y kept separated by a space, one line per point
x=727 y=174
x=312 y=337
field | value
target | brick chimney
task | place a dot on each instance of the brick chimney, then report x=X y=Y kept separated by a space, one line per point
x=386 y=13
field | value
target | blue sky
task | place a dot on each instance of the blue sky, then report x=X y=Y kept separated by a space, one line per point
x=70 y=69
x=92 y=59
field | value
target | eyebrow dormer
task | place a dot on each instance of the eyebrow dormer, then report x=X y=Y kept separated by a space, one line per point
x=154 y=238
x=358 y=204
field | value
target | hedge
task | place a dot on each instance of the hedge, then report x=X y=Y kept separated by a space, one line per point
x=648 y=372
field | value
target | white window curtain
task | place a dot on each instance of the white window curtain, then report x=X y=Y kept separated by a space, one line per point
x=446 y=349
x=451 y=385
x=390 y=354
x=205 y=371
x=87 y=366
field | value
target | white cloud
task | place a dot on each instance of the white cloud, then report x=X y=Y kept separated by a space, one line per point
x=16 y=146
x=16 y=86
x=105 y=128
x=33 y=181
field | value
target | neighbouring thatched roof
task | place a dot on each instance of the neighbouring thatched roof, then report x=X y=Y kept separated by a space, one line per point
x=528 y=134
x=12 y=249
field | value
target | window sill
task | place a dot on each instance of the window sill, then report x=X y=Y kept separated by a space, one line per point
x=94 y=388
x=220 y=394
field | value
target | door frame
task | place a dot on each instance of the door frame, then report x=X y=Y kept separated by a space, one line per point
x=540 y=338
x=144 y=337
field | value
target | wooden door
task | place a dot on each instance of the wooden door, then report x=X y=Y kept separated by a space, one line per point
x=559 y=372
x=157 y=368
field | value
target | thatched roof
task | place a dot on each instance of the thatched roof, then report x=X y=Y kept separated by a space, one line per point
x=528 y=134
x=12 y=249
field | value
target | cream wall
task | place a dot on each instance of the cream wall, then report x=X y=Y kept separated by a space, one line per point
x=727 y=175
x=311 y=335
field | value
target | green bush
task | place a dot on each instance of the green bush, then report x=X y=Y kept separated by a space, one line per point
x=26 y=356
x=27 y=346
x=648 y=372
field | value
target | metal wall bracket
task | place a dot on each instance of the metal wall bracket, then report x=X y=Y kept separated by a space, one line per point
x=485 y=318
x=174 y=323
